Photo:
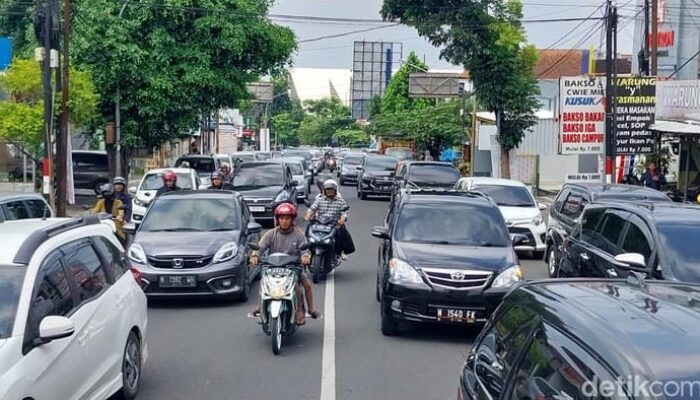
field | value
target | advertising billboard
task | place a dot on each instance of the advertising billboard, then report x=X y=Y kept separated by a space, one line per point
x=582 y=115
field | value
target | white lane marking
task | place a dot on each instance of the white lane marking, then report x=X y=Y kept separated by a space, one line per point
x=328 y=363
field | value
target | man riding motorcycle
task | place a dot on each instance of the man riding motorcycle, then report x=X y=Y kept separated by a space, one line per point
x=120 y=193
x=169 y=183
x=332 y=204
x=108 y=203
x=218 y=183
x=287 y=238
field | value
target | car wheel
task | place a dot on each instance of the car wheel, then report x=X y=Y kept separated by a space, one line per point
x=553 y=262
x=98 y=184
x=131 y=368
x=390 y=326
x=378 y=293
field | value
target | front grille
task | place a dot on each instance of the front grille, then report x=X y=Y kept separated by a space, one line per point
x=523 y=231
x=457 y=279
x=411 y=308
x=258 y=200
x=172 y=262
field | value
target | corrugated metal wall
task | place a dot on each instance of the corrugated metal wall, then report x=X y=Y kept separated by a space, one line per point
x=541 y=140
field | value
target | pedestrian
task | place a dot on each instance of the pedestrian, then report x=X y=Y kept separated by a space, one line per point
x=120 y=193
x=169 y=183
x=652 y=177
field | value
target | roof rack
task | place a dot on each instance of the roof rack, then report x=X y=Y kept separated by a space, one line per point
x=443 y=191
x=38 y=237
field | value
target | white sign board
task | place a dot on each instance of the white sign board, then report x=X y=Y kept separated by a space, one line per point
x=582 y=115
x=595 y=177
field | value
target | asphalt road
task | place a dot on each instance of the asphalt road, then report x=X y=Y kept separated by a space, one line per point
x=211 y=350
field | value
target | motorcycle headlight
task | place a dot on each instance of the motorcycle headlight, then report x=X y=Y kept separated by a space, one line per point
x=537 y=220
x=327 y=241
x=283 y=196
x=136 y=254
x=226 y=252
x=508 y=277
x=400 y=272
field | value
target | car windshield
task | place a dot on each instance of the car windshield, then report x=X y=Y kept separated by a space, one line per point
x=508 y=196
x=434 y=175
x=258 y=175
x=352 y=160
x=155 y=181
x=459 y=224
x=381 y=163
x=303 y=154
x=244 y=157
x=11 y=279
x=203 y=166
x=191 y=215
x=680 y=242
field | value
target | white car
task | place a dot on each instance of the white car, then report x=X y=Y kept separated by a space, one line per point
x=301 y=177
x=518 y=206
x=72 y=315
x=187 y=178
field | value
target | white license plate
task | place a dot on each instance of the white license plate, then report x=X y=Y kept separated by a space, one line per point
x=454 y=315
x=257 y=209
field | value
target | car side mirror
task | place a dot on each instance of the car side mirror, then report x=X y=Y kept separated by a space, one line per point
x=518 y=239
x=359 y=168
x=254 y=227
x=132 y=190
x=129 y=228
x=632 y=261
x=55 y=327
x=542 y=207
x=380 y=232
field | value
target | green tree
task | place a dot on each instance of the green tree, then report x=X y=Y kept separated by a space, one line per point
x=22 y=117
x=396 y=97
x=352 y=137
x=488 y=39
x=324 y=118
x=284 y=128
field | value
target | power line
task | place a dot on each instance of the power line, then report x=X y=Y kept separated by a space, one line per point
x=568 y=54
x=337 y=35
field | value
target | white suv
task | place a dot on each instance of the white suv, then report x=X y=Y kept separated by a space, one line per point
x=153 y=180
x=72 y=315
x=522 y=213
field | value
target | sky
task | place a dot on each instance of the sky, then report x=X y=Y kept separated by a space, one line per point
x=337 y=52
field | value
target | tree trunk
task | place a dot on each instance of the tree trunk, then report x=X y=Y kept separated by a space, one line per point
x=505 y=163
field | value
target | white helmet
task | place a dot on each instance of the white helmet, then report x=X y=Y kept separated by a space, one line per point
x=330 y=184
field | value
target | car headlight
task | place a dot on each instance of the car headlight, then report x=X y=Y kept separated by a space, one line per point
x=508 y=277
x=226 y=252
x=140 y=202
x=400 y=272
x=136 y=254
x=283 y=196
x=537 y=220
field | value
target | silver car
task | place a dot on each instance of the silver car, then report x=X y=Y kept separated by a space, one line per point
x=300 y=175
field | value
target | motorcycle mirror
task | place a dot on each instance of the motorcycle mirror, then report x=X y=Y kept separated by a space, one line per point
x=253 y=246
x=307 y=202
x=304 y=246
x=345 y=208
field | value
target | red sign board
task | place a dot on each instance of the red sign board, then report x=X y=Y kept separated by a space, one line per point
x=247 y=133
x=665 y=39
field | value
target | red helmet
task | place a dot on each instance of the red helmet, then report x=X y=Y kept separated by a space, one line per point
x=286 y=209
x=169 y=176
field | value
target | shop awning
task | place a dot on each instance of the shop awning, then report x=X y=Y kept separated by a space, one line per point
x=678 y=128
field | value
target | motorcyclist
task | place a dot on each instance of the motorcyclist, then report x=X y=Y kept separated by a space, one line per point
x=169 y=183
x=287 y=238
x=226 y=173
x=218 y=183
x=333 y=205
x=120 y=193
x=108 y=203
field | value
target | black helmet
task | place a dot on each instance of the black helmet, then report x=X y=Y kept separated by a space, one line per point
x=119 y=180
x=107 y=189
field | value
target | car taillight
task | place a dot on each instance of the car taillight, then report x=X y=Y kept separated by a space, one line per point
x=137 y=274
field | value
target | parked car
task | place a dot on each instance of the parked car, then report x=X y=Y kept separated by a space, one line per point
x=73 y=320
x=611 y=239
x=301 y=176
x=347 y=171
x=375 y=176
x=587 y=339
x=145 y=192
x=90 y=169
x=521 y=211
x=14 y=206
x=203 y=164
x=264 y=185
x=194 y=243
x=569 y=204
x=444 y=256
x=425 y=174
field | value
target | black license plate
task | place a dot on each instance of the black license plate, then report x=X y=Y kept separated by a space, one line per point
x=177 y=281
x=456 y=315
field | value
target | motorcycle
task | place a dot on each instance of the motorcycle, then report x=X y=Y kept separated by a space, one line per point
x=330 y=164
x=278 y=295
x=320 y=234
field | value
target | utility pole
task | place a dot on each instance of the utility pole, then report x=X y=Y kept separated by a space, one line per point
x=644 y=59
x=462 y=113
x=62 y=142
x=472 y=145
x=610 y=60
x=48 y=102
x=654 y=37
x=218 y=133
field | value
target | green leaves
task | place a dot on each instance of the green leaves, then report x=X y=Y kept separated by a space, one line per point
x=395 y=97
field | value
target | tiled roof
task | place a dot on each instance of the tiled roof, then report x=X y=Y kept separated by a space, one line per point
x=553 y=64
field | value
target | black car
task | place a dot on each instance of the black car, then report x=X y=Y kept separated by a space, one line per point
x=376 y=176
x=264 y=185
x=90 y=169
x=348 y=170
x=194 y=243
x=570 y=202
x=445 y=256
x=659 y=240
x=426 y=174
x=203 y=164
x=588 y=339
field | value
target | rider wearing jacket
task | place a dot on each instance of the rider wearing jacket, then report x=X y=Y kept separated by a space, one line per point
x=218 y=183
x=120 y=193
x=107 y=203
x=333 y=205
x=287 y=238
x=169 y=183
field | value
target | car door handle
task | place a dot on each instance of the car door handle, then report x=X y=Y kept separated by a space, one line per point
x=585 y=257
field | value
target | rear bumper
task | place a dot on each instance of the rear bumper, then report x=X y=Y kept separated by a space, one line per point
x=373 y=188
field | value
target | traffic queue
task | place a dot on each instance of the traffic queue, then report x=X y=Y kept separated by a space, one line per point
x=621 y=260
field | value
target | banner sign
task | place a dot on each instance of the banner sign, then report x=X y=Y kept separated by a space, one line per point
x=591 y=177
x=582 y=115
x=635 y=107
